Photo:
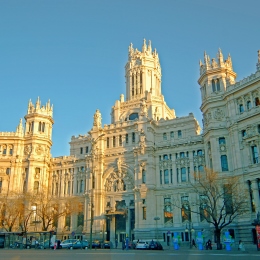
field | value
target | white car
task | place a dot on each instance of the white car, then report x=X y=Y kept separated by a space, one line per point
x=142 y=245
x=67 y=243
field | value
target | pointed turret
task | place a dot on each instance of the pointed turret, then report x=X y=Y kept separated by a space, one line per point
x=220 y=58
x=19 y=128
x=144 y=48
x=149 y=47
x=258 y=61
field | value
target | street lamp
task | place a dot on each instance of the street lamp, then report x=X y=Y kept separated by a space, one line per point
x=190 y=229
x=93 y=142
x=156 y=219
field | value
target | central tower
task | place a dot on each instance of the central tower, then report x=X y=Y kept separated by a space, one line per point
x=143 y=88
x=142 y=72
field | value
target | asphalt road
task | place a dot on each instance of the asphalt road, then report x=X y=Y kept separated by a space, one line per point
x=102 y=254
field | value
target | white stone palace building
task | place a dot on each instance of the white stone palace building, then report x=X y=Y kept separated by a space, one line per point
x=130 y=171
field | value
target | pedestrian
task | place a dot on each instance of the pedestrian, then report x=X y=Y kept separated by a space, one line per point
x=193 y=244
x=241 y=246
x=55 y=245
x=123 y=244
x=209 y=245
x=116 y=242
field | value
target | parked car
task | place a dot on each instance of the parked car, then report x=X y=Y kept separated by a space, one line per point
x=142 y=245
x=155 y=245
x=66 y=243
x=96 y=244
x=106 y=244
x=79 y=245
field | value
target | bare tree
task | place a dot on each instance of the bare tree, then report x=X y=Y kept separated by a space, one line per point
x=47 y=209
x=11 y=210
x=220 y=199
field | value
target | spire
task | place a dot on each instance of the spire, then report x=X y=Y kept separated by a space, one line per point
x=258 y=61
x=38 y=103
x=149 y=46
x=220 y=57
x=130 y=49
x=144 y=46
x=200 y=63
x=19 y=128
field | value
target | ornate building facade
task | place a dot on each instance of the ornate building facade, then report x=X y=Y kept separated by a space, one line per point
x=128 y=173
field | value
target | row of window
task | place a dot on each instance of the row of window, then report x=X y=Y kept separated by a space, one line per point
x=41 y=126
x=82 y=150
x=180 y=155
x=179 y=135
x=120 y=140
x=6 y=150
x=248 y=105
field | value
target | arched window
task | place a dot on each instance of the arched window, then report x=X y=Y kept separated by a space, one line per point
x=213 y=86
x=81 y=186
x=185 y=210
x=257 y=102
x=199 y=152
x=43 y=127
x=200 y=168
x=164 y=136
x=172 y=134
x=248 y=105
x=241 y=108
x=243 y=132
x=179 y=134
x=218 y=85
x=114 y=141
x=133 y=116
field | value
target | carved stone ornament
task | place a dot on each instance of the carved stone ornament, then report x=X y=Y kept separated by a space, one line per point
x=218 y=114
x=27 y=149
x=97 y=119
x=39 y=149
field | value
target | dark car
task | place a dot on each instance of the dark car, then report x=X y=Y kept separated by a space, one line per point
x=96 y=244
x=155 y=245
x=79 y=245
x=106 y=244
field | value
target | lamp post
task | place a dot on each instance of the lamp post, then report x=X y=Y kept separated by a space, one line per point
x=156 y=219
x=190 y=229
x=93 y=142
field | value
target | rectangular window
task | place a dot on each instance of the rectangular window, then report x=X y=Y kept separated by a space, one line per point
x=11 y=151
x=243 y=132
x=182 y=155
x=143 y=176
x=107 y=142
x=160 y=157
x=120 y=140
x=178 y=177
x=126 y=138
x=4 y=151
x=144 y=213
x=171 y=176
x=179 y=134
x=160 y=176
x=254 y=154
x=81 y=150
x=114 y=141
x=164 y=136
x=222 y=140
x=183 y=174
x=168 y=215
x=166 y=176
x=241 y=108
x=86 y=149
x=224 y=163
x=228 y=199
x=252 y=201
x=133 y=137
x=172 y=134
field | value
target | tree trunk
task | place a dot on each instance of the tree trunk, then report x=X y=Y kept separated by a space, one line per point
x=218 y=234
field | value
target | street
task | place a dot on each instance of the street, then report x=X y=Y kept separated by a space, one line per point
x=17 y=254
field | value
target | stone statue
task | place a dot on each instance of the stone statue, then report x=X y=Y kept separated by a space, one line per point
x=97 y=119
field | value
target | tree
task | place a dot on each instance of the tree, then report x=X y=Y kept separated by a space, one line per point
x=220 y=199
x=47 y=209
x=11 y=210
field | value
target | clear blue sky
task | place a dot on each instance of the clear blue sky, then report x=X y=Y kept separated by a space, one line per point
x=73 y=52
